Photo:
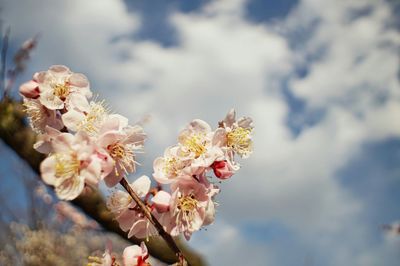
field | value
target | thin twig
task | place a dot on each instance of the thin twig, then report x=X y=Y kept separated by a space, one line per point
x=167 y=237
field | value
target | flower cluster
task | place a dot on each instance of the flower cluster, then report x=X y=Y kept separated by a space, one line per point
x=185 y=167
x=132 y=256
x=85 y=143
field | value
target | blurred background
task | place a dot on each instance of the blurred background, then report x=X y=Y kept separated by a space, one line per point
x=319 y=78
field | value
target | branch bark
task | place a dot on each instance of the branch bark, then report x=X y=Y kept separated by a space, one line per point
x=15 y=132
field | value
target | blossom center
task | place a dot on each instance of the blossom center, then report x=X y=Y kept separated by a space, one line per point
x=187 y=204
x=239 y=140
x=93 y=119
x=67 y=165
x=123 y=156
x=171 y=166
x=196 y=144
x=61 y=90
x=117 y=150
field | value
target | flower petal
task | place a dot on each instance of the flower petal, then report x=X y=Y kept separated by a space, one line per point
x=70 y=188
x=50 y=101
x=141 y=185
x=72 y=119
x=161 y=201
x=30 y=89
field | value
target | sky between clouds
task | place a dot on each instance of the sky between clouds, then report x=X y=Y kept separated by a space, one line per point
x=321 y=84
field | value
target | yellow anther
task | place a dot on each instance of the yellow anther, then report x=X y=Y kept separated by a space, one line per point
x=67 y=165
x=240 y=141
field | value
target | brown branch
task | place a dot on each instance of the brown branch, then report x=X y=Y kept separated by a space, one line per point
x=167 y=237
x=19 y=137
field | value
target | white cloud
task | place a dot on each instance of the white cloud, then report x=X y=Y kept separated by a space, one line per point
x=223 y=60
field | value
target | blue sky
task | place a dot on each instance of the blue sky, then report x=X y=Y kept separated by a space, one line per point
x=320 y=78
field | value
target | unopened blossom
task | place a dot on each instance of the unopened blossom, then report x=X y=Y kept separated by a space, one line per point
x=222 y=169
x=122 y=142
x=188 y=206
x=30 y=89
x=90 y=120
x=136 y=255
x=58 y=88
x=73 y=163
x=40 y=117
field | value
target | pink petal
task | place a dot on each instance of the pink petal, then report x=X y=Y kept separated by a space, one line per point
x=78 y=80
x=131 y=254
x=50 y=101
x=39 y=77
x=63 y=142
x=70 y=188
x=199 y=126
x=109 y=138
x=92 y=172
x=135 y=135
x=72 y=119
x=161 y=201
x=78 y=101
x=112 y=179
x=141 y=185
x=48 y=170
x=57 y=69
x=245 y=122
x=126 y=219
x=30 y=89
x=158 y=175
x=219 y=138
x=210 y=214
x=107 y=163
x=230 y=118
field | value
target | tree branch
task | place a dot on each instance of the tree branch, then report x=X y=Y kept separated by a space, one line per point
x=19 y=137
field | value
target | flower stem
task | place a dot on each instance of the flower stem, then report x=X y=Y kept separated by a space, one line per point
x=167 y=237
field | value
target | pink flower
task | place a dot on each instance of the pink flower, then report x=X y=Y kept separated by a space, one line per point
x=195 y=139
x=135 y=255
x=59 y=88
x=40 y=117
x=90 y=120
x=128 y=215
x=122 y=142
x=170 y=167
x=235 y=136
x=188 y=206
x=222 y=169
x=73 y=163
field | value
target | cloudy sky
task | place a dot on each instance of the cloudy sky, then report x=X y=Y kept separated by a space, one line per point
x=320 y=78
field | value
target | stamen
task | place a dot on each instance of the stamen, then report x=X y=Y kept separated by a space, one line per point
x=67 y=165
x=61 y=90
x=196 y=144
x=240 y=141
x=123 y=156
x=186 y=209
x=36 y=114
x=93 y=120
x=172 y=166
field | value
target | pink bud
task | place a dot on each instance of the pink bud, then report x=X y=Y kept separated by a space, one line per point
x=30 y=89
x=222 y=169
